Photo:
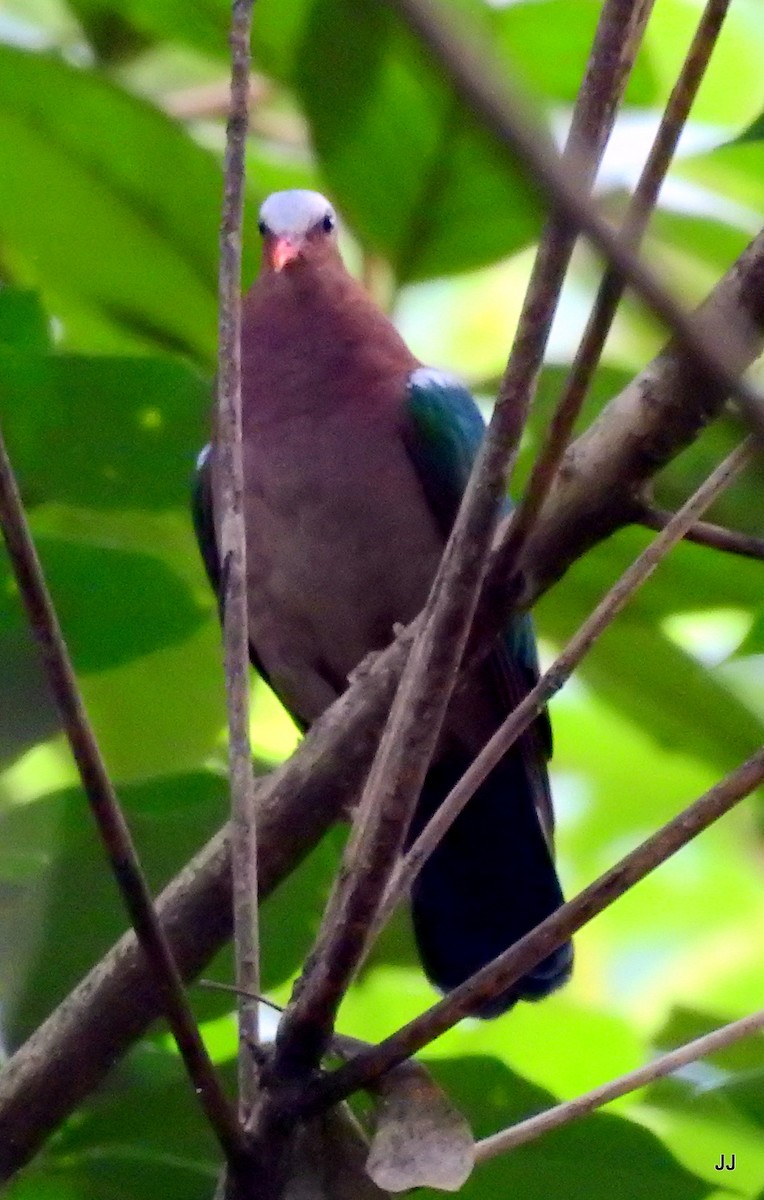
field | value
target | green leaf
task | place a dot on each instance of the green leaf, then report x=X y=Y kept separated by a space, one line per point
x=529 y=33
x=599 y=1156
x=99 y=219
x=691 y=253
x=637 y=668
x=420 y=209
x=276 y=37
x=103 y=432
x=61 y=907
x=119 y=30
x=23 y=323
x=737 y=56
x=754 y=640
x=141 y=1136
x=731 y=1079
x=735 y=172
x=686 y=1024
x=113 y=605
x=29 y=714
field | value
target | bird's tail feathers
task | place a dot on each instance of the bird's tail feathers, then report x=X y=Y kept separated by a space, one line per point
x=490 y=881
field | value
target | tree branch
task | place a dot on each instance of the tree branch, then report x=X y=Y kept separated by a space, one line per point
x=571 y=1110
x=731 y=541
x=473 y=72
x=612 y=286
x=606 y=472
x=229 y=481
x=561 y=670
x=536 y=945
x=156 y=954
x=397 y=773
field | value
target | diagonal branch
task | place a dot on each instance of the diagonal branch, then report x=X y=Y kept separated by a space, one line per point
x=233 y=555
x=609 y=468
x=731 y=541
x=110 y=821
x=537 y=944
x=612 y=286
x=581 y=1106
x=562 y=668
x=399 y=768
x=714 y=348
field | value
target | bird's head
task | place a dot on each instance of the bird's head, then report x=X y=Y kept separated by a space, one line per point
x=297 y=226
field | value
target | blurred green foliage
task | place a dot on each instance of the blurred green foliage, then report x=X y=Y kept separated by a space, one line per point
x=108 y=226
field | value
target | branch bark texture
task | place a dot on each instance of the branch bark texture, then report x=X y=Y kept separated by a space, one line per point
x=233 y=553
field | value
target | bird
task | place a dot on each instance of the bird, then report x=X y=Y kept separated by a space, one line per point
x=355 y=458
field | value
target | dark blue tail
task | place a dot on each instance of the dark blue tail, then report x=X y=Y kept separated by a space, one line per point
x=490 y=880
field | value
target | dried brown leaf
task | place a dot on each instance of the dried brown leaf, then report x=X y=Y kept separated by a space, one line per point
x=420 y=1139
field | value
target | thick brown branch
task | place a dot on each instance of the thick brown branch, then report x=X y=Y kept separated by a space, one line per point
x=108 y=815
x=536 y=945
x=398 y=770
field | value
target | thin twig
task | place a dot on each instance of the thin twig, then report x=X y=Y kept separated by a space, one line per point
x=571 y=1110
x=341 y=1044
x=732 y=541
x=536 y=945
x=233 y=554
x=716 y=350
x=108 y=815
x=612 y=286
x=399 y=768
x=562 y=668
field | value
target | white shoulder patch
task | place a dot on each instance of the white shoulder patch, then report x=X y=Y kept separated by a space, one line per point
x=294 y=212
x=203 y=455
x=431 y=377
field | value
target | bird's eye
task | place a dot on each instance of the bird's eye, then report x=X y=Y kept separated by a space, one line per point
x=262 y=227
x=328 y=223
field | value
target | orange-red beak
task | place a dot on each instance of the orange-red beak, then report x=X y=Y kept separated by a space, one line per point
x=282 y=252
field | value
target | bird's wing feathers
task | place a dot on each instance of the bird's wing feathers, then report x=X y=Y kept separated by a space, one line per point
x=202 y=515
x=443 y=434
x=204 y=528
